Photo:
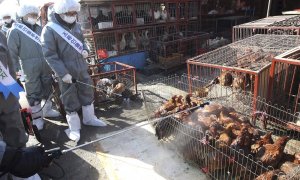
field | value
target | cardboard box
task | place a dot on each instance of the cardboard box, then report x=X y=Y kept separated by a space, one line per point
x=104 y=25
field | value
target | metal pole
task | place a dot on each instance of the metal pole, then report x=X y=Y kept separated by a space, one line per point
x=269 y=8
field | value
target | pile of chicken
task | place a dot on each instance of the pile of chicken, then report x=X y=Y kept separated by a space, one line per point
x=225 y=140
x=108 y=88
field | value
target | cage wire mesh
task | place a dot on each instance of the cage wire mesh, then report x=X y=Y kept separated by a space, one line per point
x=124 y=14
x=172 y=49
x=285 y=80
x=143 y=13
x=107 y=76
x=244 y=64
x=278 y=25
x=195 y=142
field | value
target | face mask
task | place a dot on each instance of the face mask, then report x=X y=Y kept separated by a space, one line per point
x=31 y=21
x=8 y=21
x=69 y=19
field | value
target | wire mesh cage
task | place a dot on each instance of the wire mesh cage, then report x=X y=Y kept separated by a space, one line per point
x=144 y=13
x=172 y=11
x=244 y=64
x=173 y=49
x=279 y=25
x=113 y=80
x=193 y=11
x=124 y=15
x=285 y=80
x=100 y=16
x=107 y=42
x=195 y=132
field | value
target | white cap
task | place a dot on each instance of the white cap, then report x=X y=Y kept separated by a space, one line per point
x=63 y=6
x=27 y=8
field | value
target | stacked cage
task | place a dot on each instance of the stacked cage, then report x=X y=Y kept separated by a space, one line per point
x=244 y=64
x=285 y=79
x=113 y=81
x=279 y=25
x=171 y=50
x=119 y=28
x=205 y=136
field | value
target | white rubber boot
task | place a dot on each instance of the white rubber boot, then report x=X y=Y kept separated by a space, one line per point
x=34 y=177
x=37 y=116
x=73 y=132
x=89 y=117
x=48 y=111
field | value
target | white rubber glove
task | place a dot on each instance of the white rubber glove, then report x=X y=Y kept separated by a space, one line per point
x=21 y=75
x=67 y=78
x=85 y=53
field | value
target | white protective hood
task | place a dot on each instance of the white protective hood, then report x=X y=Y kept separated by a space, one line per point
x=64 y=6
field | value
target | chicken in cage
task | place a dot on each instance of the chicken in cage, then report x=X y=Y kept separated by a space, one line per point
x=127 y=42
x=124 y=15
x=248 y=61
x=173 y=49
x=101 y=17
x=143 y=13
x=113 y=81
x=160 y=12
x=217 y=133
x=144 y=36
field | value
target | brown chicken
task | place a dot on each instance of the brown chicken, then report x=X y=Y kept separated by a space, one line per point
x=166 y=107
x=118 y=89
x=289 y=167
x=238 y=82
x=201 y=92
x=269 y=175
x=266 y=139
x=297 y=158
x=225 y=118
x=271 y=154
x=225 y=78
x=243 y=140
x=225 y=138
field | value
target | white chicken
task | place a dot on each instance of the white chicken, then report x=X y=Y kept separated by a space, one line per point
x=132 y=43
x=122 y=43
x=145 y=39
x=156 y=14
x=164 y=15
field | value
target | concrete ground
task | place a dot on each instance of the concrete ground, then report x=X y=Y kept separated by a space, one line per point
x=86 y=163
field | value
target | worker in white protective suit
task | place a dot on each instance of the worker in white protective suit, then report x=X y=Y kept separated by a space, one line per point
x=26 y=51
x=65 y=52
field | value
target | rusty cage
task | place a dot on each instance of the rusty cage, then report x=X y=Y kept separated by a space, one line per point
x=113 y=71
x=279 y=25
x=197 y=145
x=285 y=79
x=244 y=64
x=174 y=49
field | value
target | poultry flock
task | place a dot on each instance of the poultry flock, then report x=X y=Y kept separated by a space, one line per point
x=219 y=139
x=109 y=88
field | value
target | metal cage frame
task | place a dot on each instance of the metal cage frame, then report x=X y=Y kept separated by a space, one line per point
x=283 y=71
x=191 y=141
x=269 y=25
x=122 y=72
x=238 y=57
